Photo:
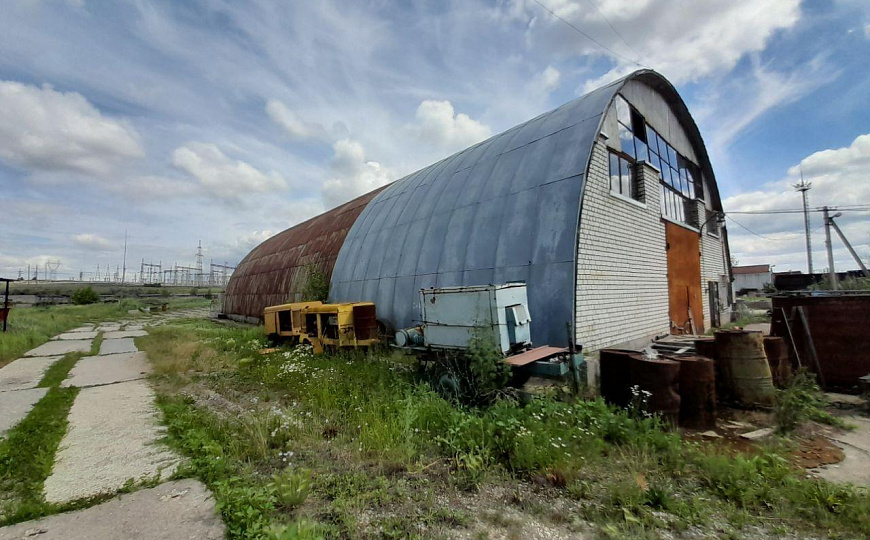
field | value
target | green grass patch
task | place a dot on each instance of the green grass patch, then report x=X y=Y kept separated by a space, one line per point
x=27 y=455
x=352 y=419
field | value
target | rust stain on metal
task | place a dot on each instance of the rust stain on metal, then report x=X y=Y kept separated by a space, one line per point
x=838 y=325
x=276 y=271
x=684 y=278
x=697 y=391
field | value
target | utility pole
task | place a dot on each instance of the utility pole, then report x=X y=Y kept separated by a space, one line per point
x=832 y=274
x=803 y=187
x=124 y=271
x=848 y=245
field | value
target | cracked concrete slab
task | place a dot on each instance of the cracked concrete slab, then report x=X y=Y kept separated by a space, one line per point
x=134 y=327
x=115 y=346
x=60 y=348
x=25 y=372
x=171 y=511
x=125 y=334
x=75 y=335
x=109 y=327
x=112 y=437
x=86 y=328
x=15 y=405
x=108 y=369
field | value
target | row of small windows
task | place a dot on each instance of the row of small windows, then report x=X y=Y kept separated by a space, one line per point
x=680 y=178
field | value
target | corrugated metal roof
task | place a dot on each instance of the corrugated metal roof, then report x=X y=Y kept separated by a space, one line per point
x=506 y=209
x=752 y=269
x=276 y=270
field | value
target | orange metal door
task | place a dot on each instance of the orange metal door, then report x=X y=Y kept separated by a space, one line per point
x=684 y=278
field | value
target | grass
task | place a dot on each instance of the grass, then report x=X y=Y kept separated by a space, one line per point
x=31 y=327
x=362 y=448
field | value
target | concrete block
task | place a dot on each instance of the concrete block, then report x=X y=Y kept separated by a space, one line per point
x=25 y=372
x=115 y=346
x=15 y=405
x=59 y=348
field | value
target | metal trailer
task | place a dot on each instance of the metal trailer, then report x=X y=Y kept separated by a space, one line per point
x=324 y=326
x=452 y=316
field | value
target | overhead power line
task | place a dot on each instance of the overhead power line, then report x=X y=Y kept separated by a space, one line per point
x=615 y=31
x=847 y=208
x=750 y=231
x=587 y=36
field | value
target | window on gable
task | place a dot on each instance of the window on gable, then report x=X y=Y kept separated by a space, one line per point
x=623 y=179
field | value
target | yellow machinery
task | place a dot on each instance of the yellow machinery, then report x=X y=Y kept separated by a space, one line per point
x=323 y=326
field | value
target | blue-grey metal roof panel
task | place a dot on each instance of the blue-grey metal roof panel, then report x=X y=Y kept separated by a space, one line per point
x=506 y=209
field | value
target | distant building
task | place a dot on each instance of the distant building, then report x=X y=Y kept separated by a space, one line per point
x=751 y=278
x=606 y=207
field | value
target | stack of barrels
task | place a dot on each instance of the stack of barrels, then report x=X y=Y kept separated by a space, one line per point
x=731 y=367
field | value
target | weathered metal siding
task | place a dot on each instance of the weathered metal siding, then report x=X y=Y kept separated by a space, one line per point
x=838 y=325
x=506 y=209
x=277 y=270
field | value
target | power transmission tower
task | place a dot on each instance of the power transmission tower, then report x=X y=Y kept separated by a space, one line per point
x=803 y=187
x=124 y=271
x=199 y=273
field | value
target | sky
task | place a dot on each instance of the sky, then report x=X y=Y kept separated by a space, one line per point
x=227 y=121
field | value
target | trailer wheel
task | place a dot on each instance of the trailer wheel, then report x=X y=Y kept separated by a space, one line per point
x=447 y=385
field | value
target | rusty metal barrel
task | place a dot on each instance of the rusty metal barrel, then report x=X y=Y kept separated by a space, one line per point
x=697 y=391
x=614 y=372
x=661 y=378
x=776 y=350
x=706 y=347
x=741 y=361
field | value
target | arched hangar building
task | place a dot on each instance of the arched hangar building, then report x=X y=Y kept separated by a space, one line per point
x=606 y=207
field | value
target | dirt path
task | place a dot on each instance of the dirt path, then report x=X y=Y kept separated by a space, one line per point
x=113 y=438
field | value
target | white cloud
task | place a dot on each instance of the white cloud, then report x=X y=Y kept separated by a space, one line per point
x=838 y=178
x=729 y=108
x=91 y=242
x=45 y=130
x=290 y=121
x=867 y=31
x=439 y=125
x=353 y=174
x=684 y=39
x=253 y=239
x=221 y=176
x=549 y=79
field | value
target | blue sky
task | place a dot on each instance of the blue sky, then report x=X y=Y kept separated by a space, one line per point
x=227 y=121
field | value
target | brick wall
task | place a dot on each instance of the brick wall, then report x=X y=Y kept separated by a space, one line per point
x=713 y=269
x=622 y=273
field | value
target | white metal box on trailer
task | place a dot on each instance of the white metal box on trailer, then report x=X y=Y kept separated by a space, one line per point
x=452 y=314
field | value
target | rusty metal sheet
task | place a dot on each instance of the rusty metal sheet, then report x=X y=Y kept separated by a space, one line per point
x=276 y=270
x=684 y=278
x=838 y=325
x=533 y=355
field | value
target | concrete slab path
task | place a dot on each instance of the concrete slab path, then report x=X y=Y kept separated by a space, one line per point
x=86 y=328
x=125 y=334
x=15 y=405
x=112 y=437
x=60 y=348
x=109 y=327
x=25 y=372
x=115 y=346
x=108 y=369
x=173 y=511
x=75 y=335
x=855 y=468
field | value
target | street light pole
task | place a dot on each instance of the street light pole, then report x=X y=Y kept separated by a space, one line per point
x=832 y=274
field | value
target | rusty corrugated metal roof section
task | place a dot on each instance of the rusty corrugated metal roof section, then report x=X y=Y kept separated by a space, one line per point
x=277 y=270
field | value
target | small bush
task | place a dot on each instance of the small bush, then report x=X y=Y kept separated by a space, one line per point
x=85 y=295
x=291 y=488
x=317 y=287
x=801 y=401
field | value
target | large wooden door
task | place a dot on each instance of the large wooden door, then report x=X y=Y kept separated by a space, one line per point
x=684 y=278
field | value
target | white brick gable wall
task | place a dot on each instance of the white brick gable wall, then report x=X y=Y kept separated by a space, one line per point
x=622 y=268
